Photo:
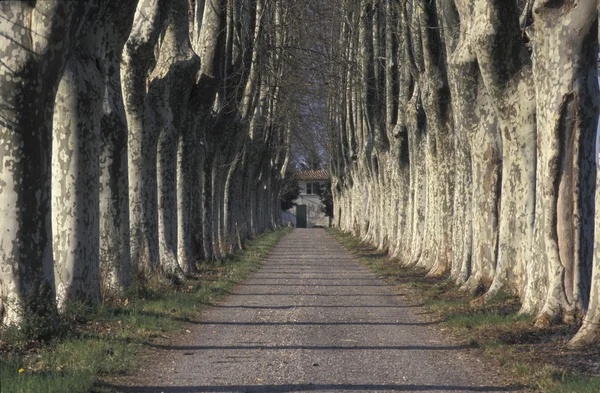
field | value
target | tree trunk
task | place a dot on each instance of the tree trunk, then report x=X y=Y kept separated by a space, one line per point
x=229 y=202
x=31 y=69
x=197 y=202
x=76 y=174
x=167 y=185
x=439 y=154
x=589 y=334
x=176 y=65
x=137 y=60
x=207 y=239
x=505 y=68
x=186 y=198
x=480 y=159
x=566 y=40
x=116 y=273
x=216 y=199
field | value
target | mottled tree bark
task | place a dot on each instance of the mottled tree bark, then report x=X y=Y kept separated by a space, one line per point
x=207 y=240
x=206 y=45
x=462 y=81
x=30 y=71
x=216 y=199
x=480 y=159
x=166 y=183
x=230 y=200
x=115 y=259
x=505 y=66
x=138 y=58
x=404 y=132
x=439 y=154
x=76 y=173
x=589 y=334
x=566 y=102
x=176 y=66
x=187 y=198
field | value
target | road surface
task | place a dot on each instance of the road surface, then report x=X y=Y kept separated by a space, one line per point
x=313 y=319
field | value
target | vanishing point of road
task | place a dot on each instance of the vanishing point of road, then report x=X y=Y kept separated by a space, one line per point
x=313 y=319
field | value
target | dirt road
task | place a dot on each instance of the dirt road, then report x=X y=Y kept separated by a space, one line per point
x=313 y=319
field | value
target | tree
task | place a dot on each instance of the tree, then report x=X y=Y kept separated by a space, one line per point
x=36 y=41
x=452 y=115
x=290 y=191
x=116 y=270
x=326 y=197
x=312 y=160
x=137 y=60
x=76 y=174
x=169 y=127
x=165 y=141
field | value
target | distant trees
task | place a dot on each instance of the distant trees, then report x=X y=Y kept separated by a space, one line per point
x=462 y=140
x=290 y=190
x=135 y=140
x=312 y=160
x=326 y=198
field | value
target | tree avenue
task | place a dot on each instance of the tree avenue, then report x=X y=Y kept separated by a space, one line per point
x=138 y=138
x=463 y=141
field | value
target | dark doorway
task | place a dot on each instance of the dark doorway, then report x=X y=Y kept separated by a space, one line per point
x=300 y=216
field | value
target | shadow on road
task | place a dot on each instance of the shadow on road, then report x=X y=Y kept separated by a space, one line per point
x=342 y=323
x=336 y=278
x=291 y=307
x=310 y=387
x=311 y=347
x=314 y=285
x=314 y=294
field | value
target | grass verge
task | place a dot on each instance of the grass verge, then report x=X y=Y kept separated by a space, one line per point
x=109 y=340
x=532 y=357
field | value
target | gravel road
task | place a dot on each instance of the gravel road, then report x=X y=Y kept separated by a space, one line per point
x=312 y=319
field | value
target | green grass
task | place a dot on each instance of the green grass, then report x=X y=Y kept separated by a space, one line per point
x=577 y=384
x=68 y=365
x=550 y=379
x=494 y=326
x=485 y=319
x=108 y=340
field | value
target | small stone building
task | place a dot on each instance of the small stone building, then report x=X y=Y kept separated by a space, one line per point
x=308 y=212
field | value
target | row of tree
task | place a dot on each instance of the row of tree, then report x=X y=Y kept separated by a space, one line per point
x=136 y=138
x=474 y=122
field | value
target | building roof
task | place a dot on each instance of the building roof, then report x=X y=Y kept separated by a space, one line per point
x=320 y=174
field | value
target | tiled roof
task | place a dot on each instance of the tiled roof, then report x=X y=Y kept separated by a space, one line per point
x=321 y=174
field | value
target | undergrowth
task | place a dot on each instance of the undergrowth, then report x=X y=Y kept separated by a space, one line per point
x=109 y=339
x=531 y=357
